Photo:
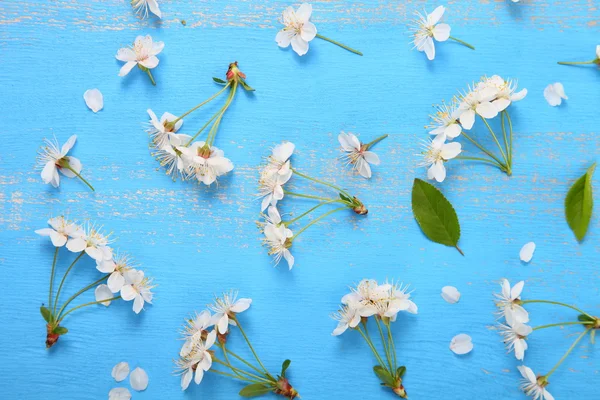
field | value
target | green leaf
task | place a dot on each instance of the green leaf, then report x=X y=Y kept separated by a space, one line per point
x=255 y=389
x=585 y=318
x=384 y=376
x=401 y=371
x=579 y=203
x=60 y=330
x=246 y=86
x=219 y=81
x=284 y=367
x=46 y=314
x=345 y=198
x=434 y=214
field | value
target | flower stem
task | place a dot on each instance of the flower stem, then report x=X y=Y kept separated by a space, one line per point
x=576 y=62
x=239 y=371
x=506 y=146
x=462 y=42
x=64 y=278
x=480 y=159
x=489 y=153
x=150 y=76
x=558 y=304
x=213 y=130
x=371 y=345
x=251 y=348
x=204 y=127
x=233 y=376
x=568 y=352
x=314 y=221
x=52 y=279
x=88 y=304
x=510 y=137
x=200 y=105
x=309 y=196
x=321 y=182
x=85 y=289
x=392 y=345
x=288 y=223
x=385 y=344
x=497 y=143
x=242 y=360
x=343 y=46
x=65 y=164
x=563 y=324
x=375 y=141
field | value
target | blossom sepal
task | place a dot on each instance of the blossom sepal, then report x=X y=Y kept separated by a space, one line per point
x=234 y=74
x=355 y=204
x=392 y=381
x=54 y=332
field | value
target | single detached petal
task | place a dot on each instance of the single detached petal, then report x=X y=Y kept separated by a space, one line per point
x=554 y=93
x=94 y=99
x=119 y=394
x=120 y=371
x=450 y=294
x=138 y=379
x=441 y=32
x=461 y=344
x=102 y=292
x=526 y=252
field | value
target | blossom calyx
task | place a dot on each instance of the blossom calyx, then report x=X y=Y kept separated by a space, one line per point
x=234 y=73
x=285 y=389
x=400 y=391
x=53 y=334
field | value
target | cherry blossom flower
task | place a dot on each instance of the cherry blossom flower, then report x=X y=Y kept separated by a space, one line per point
x=194 y=330
x=101 y=293
x=205 y=163
x=347 y=317
x=358 y=154
x=279 y=160
x=142 y=7
x=138 y=288
x=142 y=53
x=93 y=99
x=93 y=242
x=505 y=91
x=197 y=362
x=445 y=120
x=509 y=303
x=366 y=297
x=172 y=156
x=514 y=337
x=436 y=153
x=225 y=308
x=427 y=28
x=399 y=300
x=477 y=101
x=138 y=379
x=461 y=344
x=555 y=93
x=160 y=131
x=117 y=268
x=120 y=371
x=270 y=187
x=298 y=29
x=279 y=240
x=533 y=386
x=60 y=230
x=52 y=159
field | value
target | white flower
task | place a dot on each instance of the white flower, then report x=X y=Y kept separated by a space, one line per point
x=357 y=154
x=137 y=288
x=598 y=52
x=141 y=7
x=279 y=160
x=160 y=134
x=461 y=344
x=172 y=155
x=477 y=101
x=427 y=28
x=205 y=163
x=508 y=302
x=117 y=268
x=102 y=292
x=450 y=294
x=138 y=379
x=526 y=253
x=93 y=242
x=366 y=297
x=436 y=153
x=298 y=29
x=347 y=317
x=514 y=337
x=119 y=394
x=197 y=362
x=93 y=99
x=532 y=386
x=143 y=53
x=51 y=159
x=445 y=120
x=60 y=232
x=505 y=91
x=270 y=187
x=120 y=371
x=225 y=309
x=194 y=330
x=278 y=239
x=554 y=94
x=399 y=300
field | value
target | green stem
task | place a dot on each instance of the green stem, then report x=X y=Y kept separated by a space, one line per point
x=375 y=141
x=204 y=127
x=392 y=345
x=288 y=223
x=480 y=159
x=508 y=149
x=85 y=289
x=64 y=278
x=567 y=353
x=489 y=153
x=213 y=130
x=242 y=359
x=321 y=182
x=563 y=324
x=343 y=46
x=510 y=138
x=233 y=376
x=558 y=304
x=88 y=304
x=65 y=164
x=251 y=348
x=496 y=140
x=316 y=220
x=239 y=371
x=309 y=196
x=200 y=105
x=150 y=76
x=371 y=345
x=576 y=62
x=227 y=359
x=52 y=279
x=462 y=42
x=385 y=344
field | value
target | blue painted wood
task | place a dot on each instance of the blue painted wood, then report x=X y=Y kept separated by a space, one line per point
x=197 y=241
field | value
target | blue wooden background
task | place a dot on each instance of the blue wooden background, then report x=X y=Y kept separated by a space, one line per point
x=197 y=241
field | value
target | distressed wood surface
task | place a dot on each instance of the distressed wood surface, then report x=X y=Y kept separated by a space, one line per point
x=198 y=241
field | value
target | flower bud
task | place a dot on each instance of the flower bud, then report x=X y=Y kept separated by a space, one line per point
x=361 y=209
x=51 y=338
x=285 y=389
x=234 y=73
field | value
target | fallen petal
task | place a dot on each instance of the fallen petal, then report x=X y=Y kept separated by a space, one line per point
x=93 y=99
x=526 y=252
x=120 y=371
x=138 y=379
x=461 y=344
x=450 y=294
x=119 y=394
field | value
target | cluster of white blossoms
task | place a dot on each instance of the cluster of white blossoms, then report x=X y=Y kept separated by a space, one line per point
x=488 y=98
x=514 y=329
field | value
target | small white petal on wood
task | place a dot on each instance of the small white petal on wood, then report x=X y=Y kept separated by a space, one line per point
x=120 y=371
x=94 y=99
x=461 y=344
x=450 y=294
x=119 y=394
x=138 y=379
x=526 y=252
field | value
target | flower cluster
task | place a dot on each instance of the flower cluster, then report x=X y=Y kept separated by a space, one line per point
x=488 y=98
x=180 y=154
x=208 y=331
x=123 y=280
x=277 y=172
x=53 y=158
x=515 y=333
x=382 y=303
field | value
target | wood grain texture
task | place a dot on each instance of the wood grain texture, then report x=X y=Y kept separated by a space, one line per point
x=198 y=241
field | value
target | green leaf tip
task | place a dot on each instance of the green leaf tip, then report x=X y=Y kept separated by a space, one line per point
x=255 y=389
x=579 y=204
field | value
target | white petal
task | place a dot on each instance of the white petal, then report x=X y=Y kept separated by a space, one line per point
x=93 y=99
x=76 y=245
x=363 y=168
x=198 y=376
x=519 y=95
x=526 y=252
x=554 y=93
x=120 y=371
x=115 y=282
x=58 y=240
x=289 y=258
x=299 y=45
x=371 y=158
x=461 y=344
x=150 y=62
x=441 y=32
x=154 y=9
x=304 y=11
x=186 y=379
x=138 y=379
x=126 y=54
x=452 y=131
x=450 y=150
x=598 y=51
x=429 y=48
x=128 y=293
x=138 y=304
x=516 y=290
x=75 y=164
x=102 y=292
x=119 y=394
x=486 y=110
x=241 y=305
x=527 y=373
x=450 y=294
x=467 y=119
x=223 y=324
x=341 y=328
x=125 y=69
x=309 y=31
x=560 y=90
x=439 y=171
x=106 y=267
x=436 y=15
x=284 y=38
x=501 y=104
x=283 y=151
